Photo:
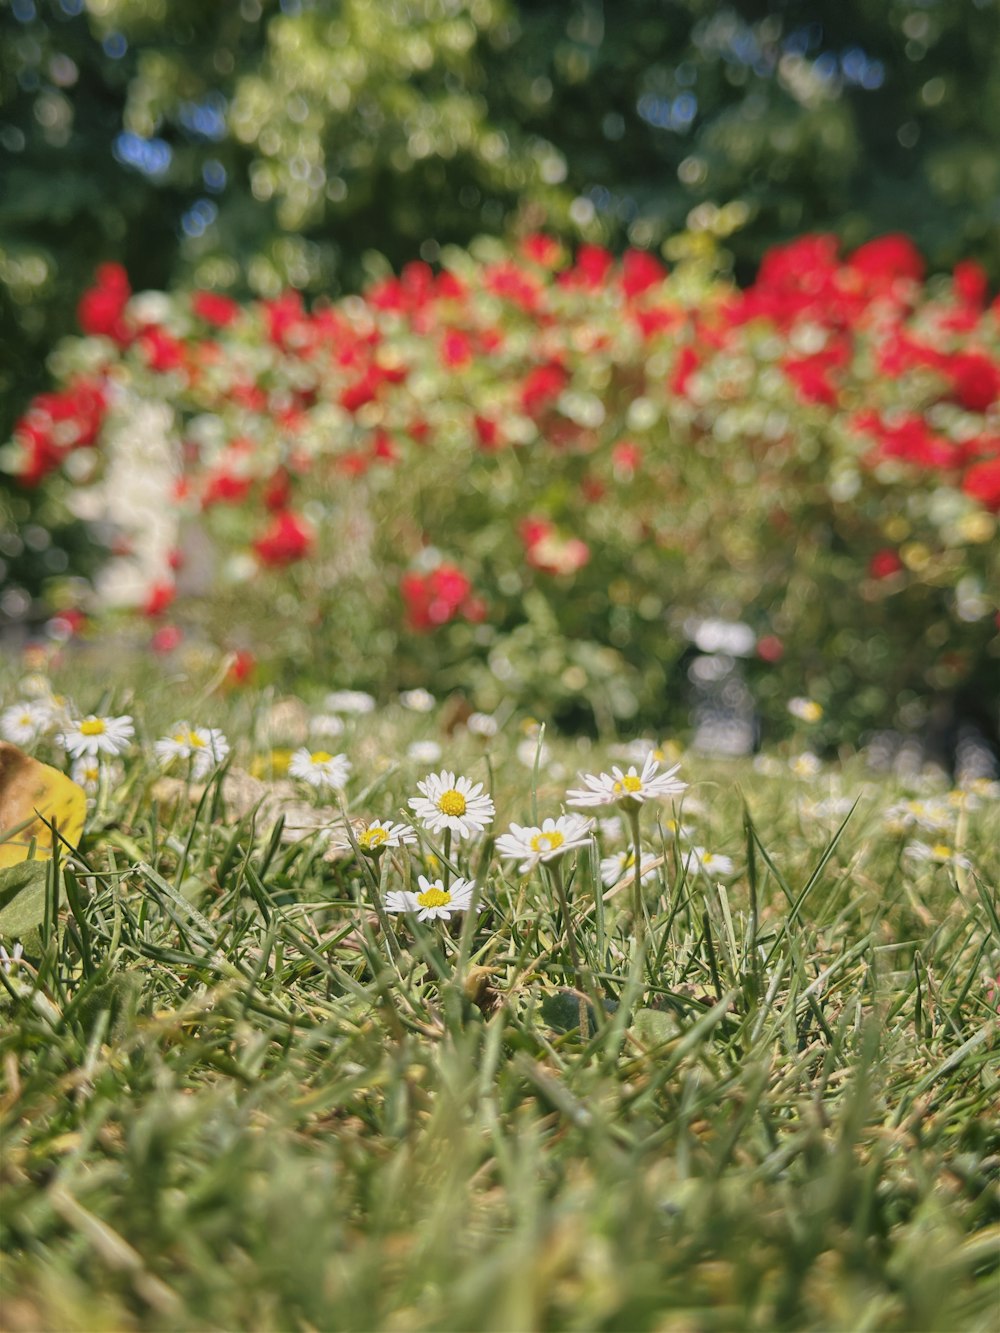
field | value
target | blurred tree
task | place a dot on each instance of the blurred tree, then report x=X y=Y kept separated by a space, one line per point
x=262 y=142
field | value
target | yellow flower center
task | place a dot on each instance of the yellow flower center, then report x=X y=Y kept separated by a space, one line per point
x=321 y=756
x=451 y=802
x=628 y=785
x=434 y=898
x=942 y=851
x=547 y=842
x=93 y=726
x=372 y=838
x=195 y=741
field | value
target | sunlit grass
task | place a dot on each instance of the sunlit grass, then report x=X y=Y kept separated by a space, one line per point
x=232 y=1100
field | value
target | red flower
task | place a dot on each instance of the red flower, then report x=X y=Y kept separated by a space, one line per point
x=686 y=364
x=224 y=488
x=884 y=564
x=982 y=482
x=160 y=596
x=242 y=668
x=166 y=639
x=456 y=349
x=975 y=380
x=488 y=434
x=970 y=283
x=542 y=249
x=770 y=648
x=593 y=264
x=162 y=352
x=626 y=457
x=286 y=539
x=437 y=597
x=887 y=258
x=640 y=271
x=101 y=309
x=542 y=386
x=215 y=309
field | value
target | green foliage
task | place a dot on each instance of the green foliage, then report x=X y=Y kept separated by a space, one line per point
x=260 y=144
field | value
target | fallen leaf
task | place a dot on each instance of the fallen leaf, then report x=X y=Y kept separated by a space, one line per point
x=34 y=796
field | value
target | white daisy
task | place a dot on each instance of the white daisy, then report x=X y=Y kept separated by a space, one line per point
x=805 y=765
x=616 y=867
x=433 y=901
x=806 y=710
x=424 y=752
x=940 y=854
x=320 y=768
x=453 y=803
x=355 y=702
x=555 y=838
x=417 y=701
x=205 y=747
x=482 y=724
x=630 y=789
x=326 y=725
x=378 y=836
x=932 y=815
x=87 y=771
x=97 y=735
x=708 y=863
x=24 y=723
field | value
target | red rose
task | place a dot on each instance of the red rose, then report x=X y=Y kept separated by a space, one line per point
x=286 y=539
x=884 y=564
x=215 y=309
x=101 y=308
x=982 y=482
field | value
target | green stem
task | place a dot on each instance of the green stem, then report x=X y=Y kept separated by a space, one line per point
x=446 y=868
x=637 y=904
x=555 y=871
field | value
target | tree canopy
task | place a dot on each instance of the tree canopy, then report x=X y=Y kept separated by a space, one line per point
x=259 y=144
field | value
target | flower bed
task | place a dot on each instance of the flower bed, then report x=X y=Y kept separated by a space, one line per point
x=525 y=476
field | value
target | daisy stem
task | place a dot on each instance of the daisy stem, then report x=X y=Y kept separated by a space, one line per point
x=446 y=868
x=637 y=904
x=555 y=871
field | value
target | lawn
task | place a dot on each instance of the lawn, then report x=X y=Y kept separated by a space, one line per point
x=238 y=1092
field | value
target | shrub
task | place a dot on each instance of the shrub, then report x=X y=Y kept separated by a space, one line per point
x=549 y=479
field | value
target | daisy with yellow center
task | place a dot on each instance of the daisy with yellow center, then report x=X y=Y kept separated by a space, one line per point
x=620 y=864
x=698 y=860
x=452 y=804
x=531 y=845
x=24 y=723
x=202 y=747
x=940 y=853
x=88 y=770
x=378 y=836
x=320 y=768
x=806 y=710
x=629 y=790
x=97 y=735
x=433 y=901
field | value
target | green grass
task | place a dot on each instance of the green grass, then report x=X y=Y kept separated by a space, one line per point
x=229 y=1102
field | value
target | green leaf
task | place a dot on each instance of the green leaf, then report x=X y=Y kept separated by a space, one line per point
x=22 y=897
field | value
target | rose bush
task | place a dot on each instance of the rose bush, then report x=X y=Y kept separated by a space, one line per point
x=535 y=476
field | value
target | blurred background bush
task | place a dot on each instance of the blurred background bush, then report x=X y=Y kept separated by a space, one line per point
x=258 y=146
x=255 y=144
